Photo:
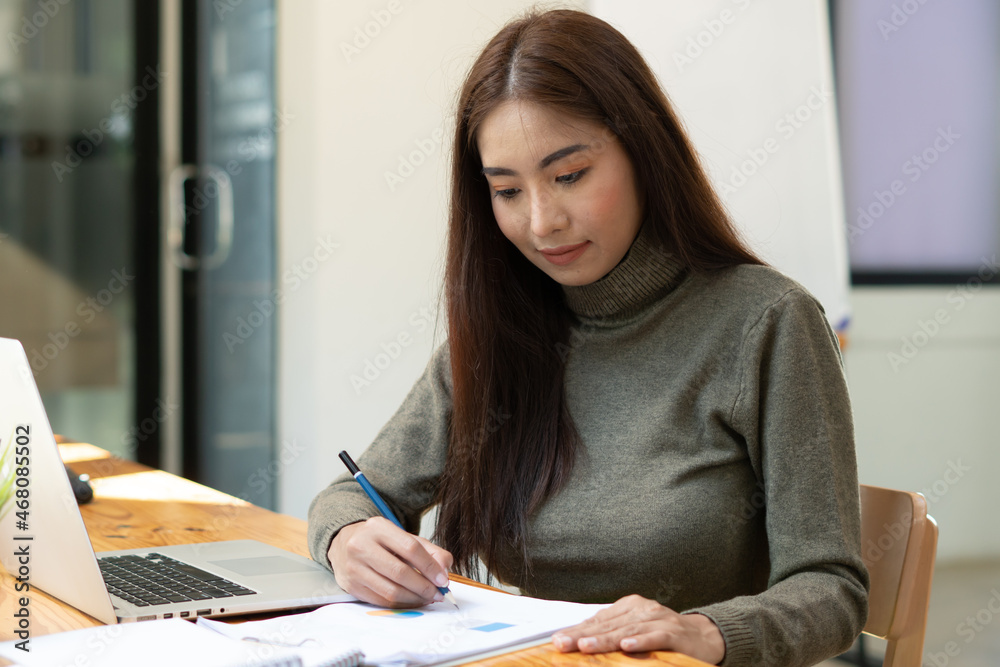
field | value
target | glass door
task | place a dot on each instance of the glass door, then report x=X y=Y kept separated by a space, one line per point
x=69 y=99
x=137 y=144
x=221 y=241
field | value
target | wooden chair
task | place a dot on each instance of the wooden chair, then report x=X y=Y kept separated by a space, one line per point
x=898 y=544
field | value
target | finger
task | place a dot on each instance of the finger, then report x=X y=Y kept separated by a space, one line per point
x=604 y=642
x=623 y=609
x=414 y=551
x=383 y=592
x=605 y=630
x=357 y=577
x=393 y=562
x=593 y=638
x=371 y=556
x=442 y=556
x=648 y=641
x=658 y=634
x=568 y=639
x=365 y=579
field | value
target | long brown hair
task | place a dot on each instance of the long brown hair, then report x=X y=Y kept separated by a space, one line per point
x=512 y=442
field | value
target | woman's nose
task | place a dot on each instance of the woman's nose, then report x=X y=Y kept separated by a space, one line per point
x=547 y=215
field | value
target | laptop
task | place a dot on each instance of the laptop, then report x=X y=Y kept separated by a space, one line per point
x=44 y=543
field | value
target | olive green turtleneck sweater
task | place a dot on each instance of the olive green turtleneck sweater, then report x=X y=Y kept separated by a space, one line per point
x=718 y=473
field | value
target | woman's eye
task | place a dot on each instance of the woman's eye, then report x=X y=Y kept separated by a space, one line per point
x=507 y=193
x=571 y=178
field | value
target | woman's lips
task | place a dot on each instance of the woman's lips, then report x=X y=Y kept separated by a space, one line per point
x=565 y=254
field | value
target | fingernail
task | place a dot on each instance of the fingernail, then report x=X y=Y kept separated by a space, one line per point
x=441 y=580
x=587 y=643
x=561 y=641
x=628 y=644
x=438 y=597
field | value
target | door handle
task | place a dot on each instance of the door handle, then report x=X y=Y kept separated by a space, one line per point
x=176 y=227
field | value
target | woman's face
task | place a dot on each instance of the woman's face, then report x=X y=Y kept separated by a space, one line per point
x=563 y=190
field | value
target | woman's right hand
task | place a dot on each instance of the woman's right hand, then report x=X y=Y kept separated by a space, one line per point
x=377 y=562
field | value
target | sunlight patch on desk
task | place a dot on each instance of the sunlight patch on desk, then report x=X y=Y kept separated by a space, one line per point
x=81 y=451
x=160 y=486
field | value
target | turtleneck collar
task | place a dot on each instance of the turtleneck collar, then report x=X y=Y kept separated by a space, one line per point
x=645 y=274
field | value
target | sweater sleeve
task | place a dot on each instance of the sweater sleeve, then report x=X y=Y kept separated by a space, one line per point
x=403 y=463
x=794 y=412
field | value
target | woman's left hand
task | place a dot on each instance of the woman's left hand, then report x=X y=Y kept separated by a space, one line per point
x=635 y=623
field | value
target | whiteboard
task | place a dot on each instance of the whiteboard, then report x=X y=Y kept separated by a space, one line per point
x=752 y=81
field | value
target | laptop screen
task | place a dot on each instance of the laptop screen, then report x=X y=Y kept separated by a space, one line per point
x=45 y=543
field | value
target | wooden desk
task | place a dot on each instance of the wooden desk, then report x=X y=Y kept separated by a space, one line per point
x=135 y=506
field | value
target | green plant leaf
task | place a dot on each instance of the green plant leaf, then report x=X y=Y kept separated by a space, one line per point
x=6 y=475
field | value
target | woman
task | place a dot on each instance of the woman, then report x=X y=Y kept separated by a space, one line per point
x=630 y=407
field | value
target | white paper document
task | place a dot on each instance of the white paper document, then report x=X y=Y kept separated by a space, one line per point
x=486 y=620
x=163 y=643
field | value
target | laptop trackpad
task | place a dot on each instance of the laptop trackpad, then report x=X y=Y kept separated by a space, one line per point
x=263 y=565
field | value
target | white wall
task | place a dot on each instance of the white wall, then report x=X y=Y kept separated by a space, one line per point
x=928 y=418
x=352 y=118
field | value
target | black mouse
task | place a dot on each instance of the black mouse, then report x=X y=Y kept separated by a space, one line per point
x=81 y=486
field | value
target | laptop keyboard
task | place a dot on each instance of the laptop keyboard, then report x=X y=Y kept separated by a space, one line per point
x=155 y=579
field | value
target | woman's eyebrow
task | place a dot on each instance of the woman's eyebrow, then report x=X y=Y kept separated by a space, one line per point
x=560 y=154
x=542 y=164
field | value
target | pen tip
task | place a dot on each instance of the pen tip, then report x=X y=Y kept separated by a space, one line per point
x=451 y=598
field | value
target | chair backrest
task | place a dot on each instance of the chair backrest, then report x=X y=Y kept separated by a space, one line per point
x=898 y=544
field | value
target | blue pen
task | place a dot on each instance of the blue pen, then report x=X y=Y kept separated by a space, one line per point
x=383 y=509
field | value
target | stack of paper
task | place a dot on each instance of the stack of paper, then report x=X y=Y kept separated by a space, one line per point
x=334 y=635
x=165 y=643
x=486 y=620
